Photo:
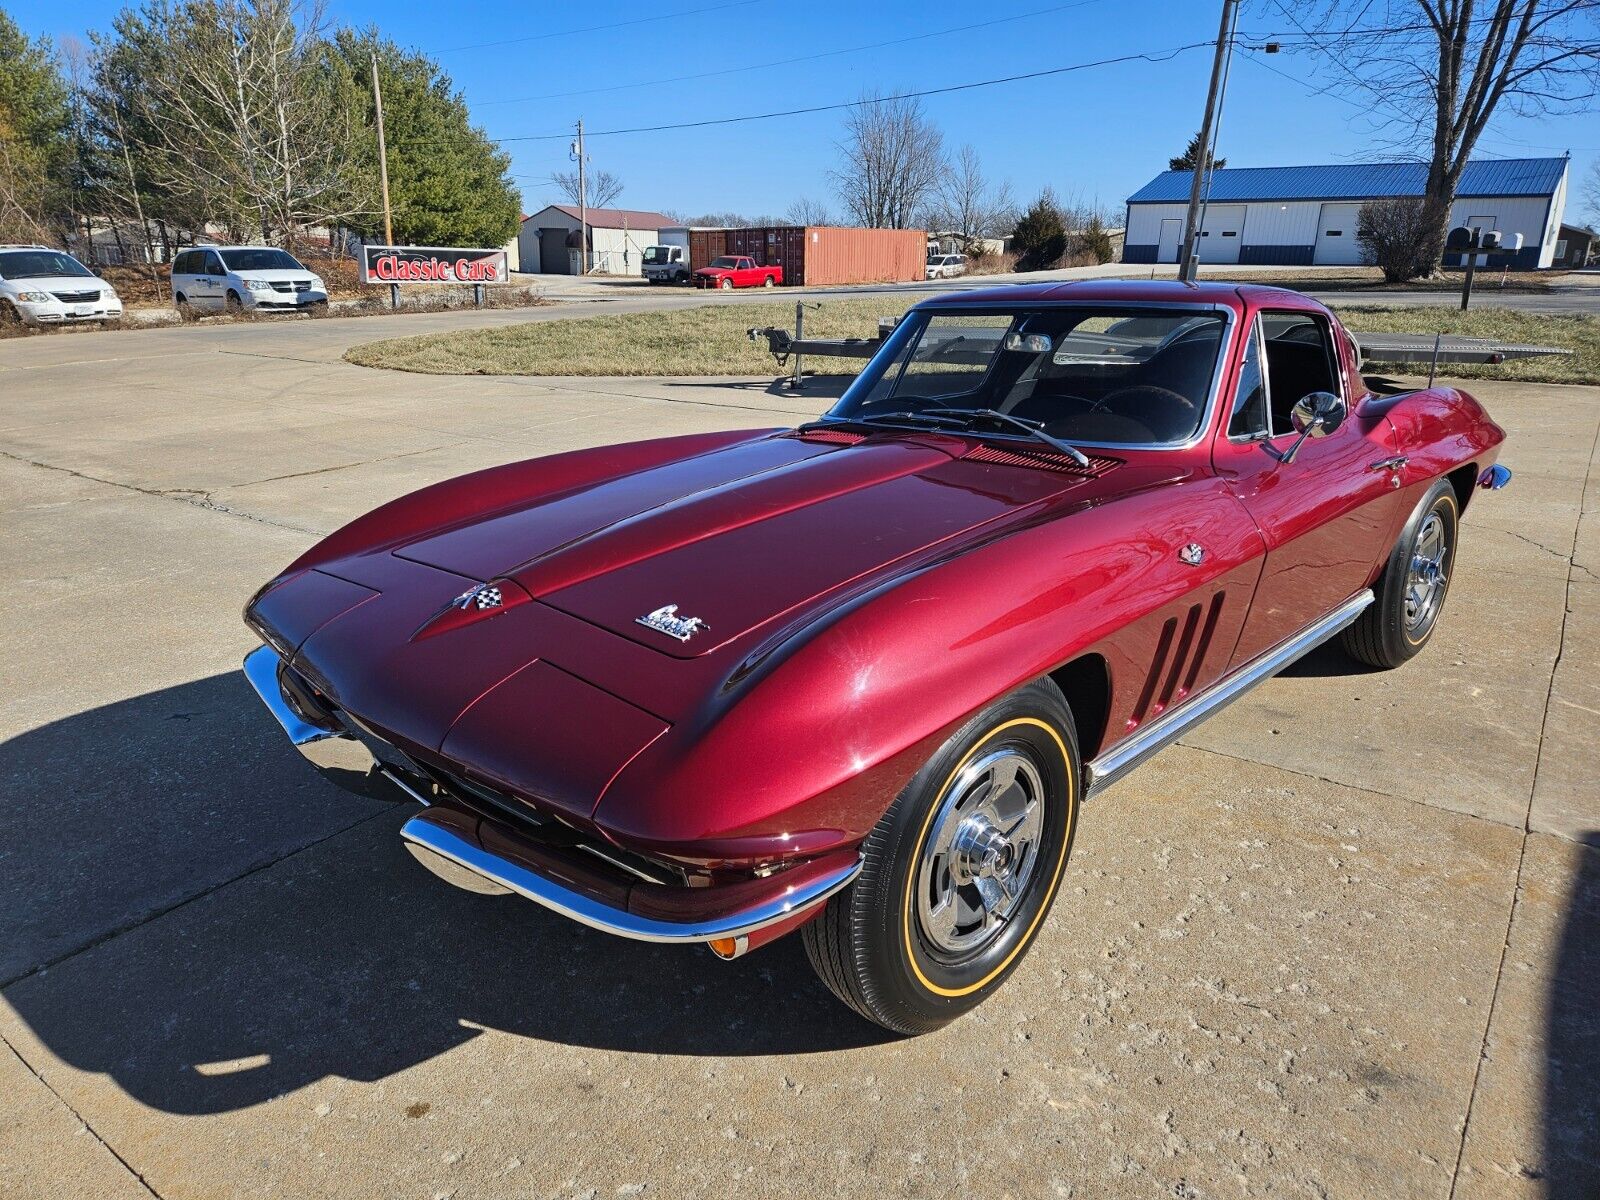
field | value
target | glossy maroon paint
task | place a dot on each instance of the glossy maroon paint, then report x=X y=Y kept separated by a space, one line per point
x=864 y=597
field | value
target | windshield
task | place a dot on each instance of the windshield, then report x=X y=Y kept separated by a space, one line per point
x=37 y=264
x=260 y=260
x=1086 y=374
x=725 y=261
x=657 y=254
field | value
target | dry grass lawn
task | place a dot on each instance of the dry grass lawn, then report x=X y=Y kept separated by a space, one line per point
x=710 y=340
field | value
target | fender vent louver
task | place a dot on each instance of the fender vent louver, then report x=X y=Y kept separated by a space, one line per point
x=841 y=437
x=1180 y=652
x=1047 y=459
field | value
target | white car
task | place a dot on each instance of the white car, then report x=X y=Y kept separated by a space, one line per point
x=41 y=286
x=236 y=279
x=946 y=266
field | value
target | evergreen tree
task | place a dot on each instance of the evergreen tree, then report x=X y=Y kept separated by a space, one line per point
x=448 y=182
x=1191 y=155
x=1040 y=238
x=36 y=143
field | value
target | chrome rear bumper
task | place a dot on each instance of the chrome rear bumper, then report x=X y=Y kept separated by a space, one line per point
x=449 y=842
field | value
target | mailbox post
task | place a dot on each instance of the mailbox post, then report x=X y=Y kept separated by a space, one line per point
x=1472 y=242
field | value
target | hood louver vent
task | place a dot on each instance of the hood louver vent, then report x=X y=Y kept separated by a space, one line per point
x=1046 y=459
x=840 y=437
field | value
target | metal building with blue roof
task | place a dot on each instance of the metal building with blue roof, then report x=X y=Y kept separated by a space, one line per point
x=1307 y=215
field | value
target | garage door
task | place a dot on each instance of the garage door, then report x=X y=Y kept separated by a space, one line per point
x=1336 y=236
x=1221 y=231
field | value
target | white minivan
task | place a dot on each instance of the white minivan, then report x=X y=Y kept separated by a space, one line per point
x=40 y=286
x=211 y=279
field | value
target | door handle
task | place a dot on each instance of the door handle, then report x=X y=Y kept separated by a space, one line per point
x=1389 y=464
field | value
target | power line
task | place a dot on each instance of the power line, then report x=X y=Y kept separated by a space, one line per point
x=1149 y=56
x=785 y=62
x=543 y=37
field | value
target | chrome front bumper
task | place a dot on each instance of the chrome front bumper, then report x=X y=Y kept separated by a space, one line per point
x=449 y=842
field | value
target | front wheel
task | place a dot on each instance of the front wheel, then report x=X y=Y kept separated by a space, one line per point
x=1411 y=591
x=960 y=872
x=235 y=306
x=726 y=284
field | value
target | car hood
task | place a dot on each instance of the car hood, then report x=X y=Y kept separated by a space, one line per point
x=278 y=274
x=58 y=283
x=754 y=533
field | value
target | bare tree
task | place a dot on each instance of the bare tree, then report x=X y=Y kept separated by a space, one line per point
x=1591 y=192
x=1435 y=72
x=245 y=127
x=967 y=205
x=603 y=187
x=891 y=160
x=806 y=211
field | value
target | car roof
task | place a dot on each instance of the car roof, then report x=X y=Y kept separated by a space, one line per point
x=1131 y=291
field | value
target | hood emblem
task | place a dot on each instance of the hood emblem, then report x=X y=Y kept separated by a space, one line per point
x=482 y=597
x=1194 y=554
x=666 y=620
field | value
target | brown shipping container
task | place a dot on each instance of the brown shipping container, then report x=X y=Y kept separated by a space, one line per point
x=820 y=255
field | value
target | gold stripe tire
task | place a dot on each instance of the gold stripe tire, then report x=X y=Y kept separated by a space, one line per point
x=889 y=946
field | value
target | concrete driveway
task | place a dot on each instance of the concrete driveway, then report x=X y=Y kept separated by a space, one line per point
x=1344 y=942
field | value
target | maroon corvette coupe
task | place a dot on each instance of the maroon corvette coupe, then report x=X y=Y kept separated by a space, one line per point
x=857 y=678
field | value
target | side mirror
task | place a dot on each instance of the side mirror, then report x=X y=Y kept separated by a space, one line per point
x=1315 y=414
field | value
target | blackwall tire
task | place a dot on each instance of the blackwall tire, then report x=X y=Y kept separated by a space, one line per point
x=1410 y=594
x=234 y=305
x=925 y=934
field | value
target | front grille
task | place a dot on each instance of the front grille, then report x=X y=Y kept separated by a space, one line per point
x=297 y=285
x=551 y=830
x=76 y=297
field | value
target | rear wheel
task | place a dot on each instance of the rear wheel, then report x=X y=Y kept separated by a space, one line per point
x=1411 y=592
x=960 y=872
x=185 y=309
x=769 y=281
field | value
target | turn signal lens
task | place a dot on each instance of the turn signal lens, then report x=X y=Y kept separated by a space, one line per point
x=728 y=947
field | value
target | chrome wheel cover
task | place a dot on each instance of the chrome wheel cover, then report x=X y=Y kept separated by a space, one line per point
x=981 y=851
x=1427 y=579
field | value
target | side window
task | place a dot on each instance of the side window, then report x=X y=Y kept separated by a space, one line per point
x=214 y=264
x=1249 y=419
x=180 y=265
x=1300 y=360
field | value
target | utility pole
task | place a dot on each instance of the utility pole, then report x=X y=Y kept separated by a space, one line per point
x=383 y=154
x=583 y=208
x=1202 y=167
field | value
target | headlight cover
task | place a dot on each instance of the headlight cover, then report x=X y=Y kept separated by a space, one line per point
x=258 y=285
x=317 y=285
x=35 y=297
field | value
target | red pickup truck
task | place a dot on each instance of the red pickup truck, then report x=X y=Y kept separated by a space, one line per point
x=736 y=271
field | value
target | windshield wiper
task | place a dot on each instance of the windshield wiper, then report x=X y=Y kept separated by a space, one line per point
x=1034 y=429
x=894 y=420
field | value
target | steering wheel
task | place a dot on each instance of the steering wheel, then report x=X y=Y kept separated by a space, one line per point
x=1144 y=400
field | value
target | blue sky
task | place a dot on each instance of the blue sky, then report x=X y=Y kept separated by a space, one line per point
x=1096 y=134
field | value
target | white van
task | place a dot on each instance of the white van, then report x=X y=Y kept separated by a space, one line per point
x=212 y=279
x=41 y=286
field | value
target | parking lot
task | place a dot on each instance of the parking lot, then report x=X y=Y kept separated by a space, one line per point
x=1344 y=941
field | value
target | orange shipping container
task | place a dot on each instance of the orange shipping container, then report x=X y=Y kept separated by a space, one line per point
x=820 y=255
x=841 y=256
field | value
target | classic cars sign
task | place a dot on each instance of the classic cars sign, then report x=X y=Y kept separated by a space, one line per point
x=432 y=264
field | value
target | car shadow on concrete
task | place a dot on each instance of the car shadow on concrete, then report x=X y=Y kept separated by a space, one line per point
x=344 y=957
x=1571 y=1101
